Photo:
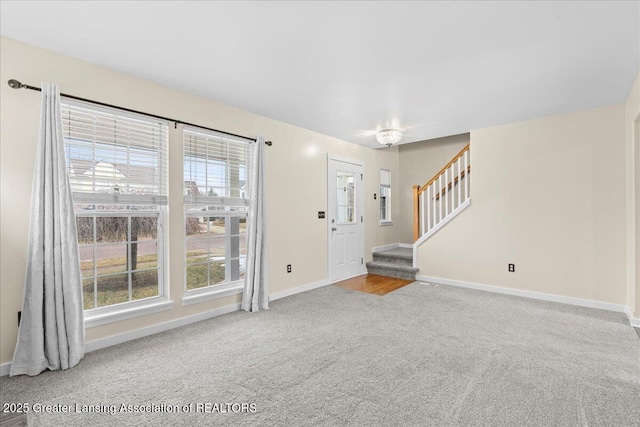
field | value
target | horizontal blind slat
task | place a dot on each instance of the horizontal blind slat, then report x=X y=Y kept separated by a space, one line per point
x=113 y=157
x=216 y=169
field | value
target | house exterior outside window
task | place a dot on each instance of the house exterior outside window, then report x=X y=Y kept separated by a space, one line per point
x=117 y=167
x=216 y=169
x=385 y=197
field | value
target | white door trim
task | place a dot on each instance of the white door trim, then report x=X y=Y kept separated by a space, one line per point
x=344 y=160
x=327 y=213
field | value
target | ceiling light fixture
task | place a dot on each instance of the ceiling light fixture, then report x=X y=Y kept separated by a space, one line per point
x=389 y=137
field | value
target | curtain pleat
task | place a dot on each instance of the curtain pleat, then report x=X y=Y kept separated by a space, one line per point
x=256 y=287
x=51 y=332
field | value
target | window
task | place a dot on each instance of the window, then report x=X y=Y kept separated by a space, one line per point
x=346 y=202
x=117 y=167
x=216 y=168
x=385 y=196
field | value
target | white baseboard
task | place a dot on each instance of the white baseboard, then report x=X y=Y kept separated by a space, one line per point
x=5 y=368
x=619 y=308
x=160 y=327
x=391 y=246
x=298 y=289
x=385 y=247
x=633 y=321
x=165 y=326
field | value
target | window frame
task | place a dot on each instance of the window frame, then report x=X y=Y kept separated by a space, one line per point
x=387 y=198
x=227 y=288
x=162 y=256
x=192 y=296
x=122 y=199
x=128 y=309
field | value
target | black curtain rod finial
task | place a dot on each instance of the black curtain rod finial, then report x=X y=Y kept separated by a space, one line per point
x=269 y=143
x=15 y=84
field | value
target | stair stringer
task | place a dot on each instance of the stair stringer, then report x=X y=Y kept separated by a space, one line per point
x=454 y=213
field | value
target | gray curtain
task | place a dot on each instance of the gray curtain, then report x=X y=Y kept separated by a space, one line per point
x=51 y=333
x=256 y=286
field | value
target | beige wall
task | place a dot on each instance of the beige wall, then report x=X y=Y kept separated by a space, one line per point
x=636 y=266
x=296 y=179
x=632 y=130
x=549 y=196
x=419 y=162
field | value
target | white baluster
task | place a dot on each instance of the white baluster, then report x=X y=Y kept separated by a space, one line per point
x=446 y=192
x=440 y=196
x=459 y=181
x=450 y=190
x=433 y=196
x=466 y=175
x=452 y=196
x=428 y=208
x=422 y=215
x=446 y=186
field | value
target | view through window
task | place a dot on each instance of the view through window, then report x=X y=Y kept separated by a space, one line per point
x=117 y=167
x=216 y=207
x=385 y=195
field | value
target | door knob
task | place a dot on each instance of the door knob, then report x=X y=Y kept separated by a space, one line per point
x=333 y=228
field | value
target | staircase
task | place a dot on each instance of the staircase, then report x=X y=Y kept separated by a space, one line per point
x=396 y=262
x=436 y=203
x=442 y=198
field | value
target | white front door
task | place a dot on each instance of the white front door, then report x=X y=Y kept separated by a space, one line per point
x=345 y=218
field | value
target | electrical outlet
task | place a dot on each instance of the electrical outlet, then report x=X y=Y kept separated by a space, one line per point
x=288 y=268
x=512 y=268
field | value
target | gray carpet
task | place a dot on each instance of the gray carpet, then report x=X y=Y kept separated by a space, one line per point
x=418 y=356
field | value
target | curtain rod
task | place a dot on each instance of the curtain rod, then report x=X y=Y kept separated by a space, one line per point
x=15 y=84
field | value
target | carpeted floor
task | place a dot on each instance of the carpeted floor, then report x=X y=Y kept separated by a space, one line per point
x=418 y=356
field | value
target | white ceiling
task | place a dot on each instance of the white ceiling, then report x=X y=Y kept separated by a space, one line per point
x=346 y=69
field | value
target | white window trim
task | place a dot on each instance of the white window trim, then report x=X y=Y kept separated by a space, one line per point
x=121 y=198
x=387 y=221
x=130 y=309
x=208 y=293
x=194 y=296
x=125 y=310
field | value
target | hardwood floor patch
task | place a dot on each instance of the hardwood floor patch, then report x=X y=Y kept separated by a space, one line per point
x=373 y=284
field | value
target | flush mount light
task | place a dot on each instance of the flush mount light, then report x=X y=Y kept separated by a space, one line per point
x=389 y=137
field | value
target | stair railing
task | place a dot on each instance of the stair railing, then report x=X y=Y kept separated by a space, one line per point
x=443 y=196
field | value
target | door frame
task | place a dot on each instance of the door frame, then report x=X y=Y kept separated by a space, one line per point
x=360 y=188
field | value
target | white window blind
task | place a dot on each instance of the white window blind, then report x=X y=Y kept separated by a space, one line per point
x=114 y=157
x=216 y=169
x=385 y=177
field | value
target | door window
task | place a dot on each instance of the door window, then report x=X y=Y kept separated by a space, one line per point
x=346 y=197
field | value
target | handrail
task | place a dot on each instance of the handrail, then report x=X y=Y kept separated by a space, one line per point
x=432 y=207
x=436 y=176
x=453 y=183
